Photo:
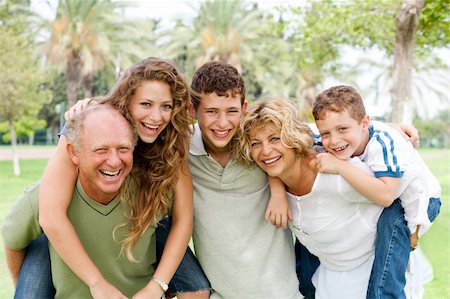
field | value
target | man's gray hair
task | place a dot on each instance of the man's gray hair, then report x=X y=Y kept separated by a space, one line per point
x=74 y=126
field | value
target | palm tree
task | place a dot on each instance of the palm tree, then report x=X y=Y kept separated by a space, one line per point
x=88 y=34
x=235 y=32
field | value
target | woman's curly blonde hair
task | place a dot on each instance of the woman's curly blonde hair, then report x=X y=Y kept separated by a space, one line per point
x=150 y=187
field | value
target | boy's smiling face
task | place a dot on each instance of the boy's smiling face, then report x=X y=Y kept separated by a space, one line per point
x=218 y=118
x=342 y=135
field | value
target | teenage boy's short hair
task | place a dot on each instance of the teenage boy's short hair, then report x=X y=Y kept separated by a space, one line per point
x=338 y=99
x=218 y=77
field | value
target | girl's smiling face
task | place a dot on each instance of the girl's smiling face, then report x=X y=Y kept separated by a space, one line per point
x=151 y=108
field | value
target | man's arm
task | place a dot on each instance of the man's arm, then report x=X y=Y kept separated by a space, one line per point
x=14 y=260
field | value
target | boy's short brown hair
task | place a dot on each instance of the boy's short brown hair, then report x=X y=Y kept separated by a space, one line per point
x=218 y=77
x=338 y=99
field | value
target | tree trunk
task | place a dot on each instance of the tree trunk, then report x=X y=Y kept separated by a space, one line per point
x=16 y=166
x=407 y=21
x=73 y=78
x=88 y=83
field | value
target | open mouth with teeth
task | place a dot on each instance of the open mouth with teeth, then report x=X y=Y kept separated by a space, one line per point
x=221 y=133
x=150 y=128
x=272 y=160
x=110 y=174
x=340 y=149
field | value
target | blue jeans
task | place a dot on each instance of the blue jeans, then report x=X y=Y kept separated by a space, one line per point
x=392 y=248
x=189 y=276
x=35 y=278
x=306 y=265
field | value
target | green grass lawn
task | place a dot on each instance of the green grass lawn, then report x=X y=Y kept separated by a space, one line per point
x=435 y=243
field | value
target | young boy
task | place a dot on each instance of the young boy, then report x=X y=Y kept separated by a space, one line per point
x=346 y=131
x=242 y=256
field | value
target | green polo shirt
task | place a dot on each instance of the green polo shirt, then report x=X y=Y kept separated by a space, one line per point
x=94 y=224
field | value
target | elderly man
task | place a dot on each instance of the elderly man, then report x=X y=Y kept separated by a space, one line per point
x=101 y=144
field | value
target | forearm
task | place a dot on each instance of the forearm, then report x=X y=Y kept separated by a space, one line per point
x=277 y=211
x=277 y=187
x=181 y=229
x=174 y=250
x=56 y=191
x=14 y=260
x=373 y=188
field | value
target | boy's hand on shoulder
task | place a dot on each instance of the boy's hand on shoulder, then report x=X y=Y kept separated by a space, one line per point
x=278 y=211
x=327 y=163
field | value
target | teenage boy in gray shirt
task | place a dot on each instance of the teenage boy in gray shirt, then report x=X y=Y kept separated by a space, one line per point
x=241 y=254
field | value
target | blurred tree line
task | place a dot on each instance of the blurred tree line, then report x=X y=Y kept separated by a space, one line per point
x=46 y=65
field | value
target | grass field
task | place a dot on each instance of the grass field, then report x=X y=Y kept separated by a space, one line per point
x=435 y=243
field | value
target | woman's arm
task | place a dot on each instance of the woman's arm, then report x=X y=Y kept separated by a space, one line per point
x=179 y=235
x=278 y=211
x=57 y=186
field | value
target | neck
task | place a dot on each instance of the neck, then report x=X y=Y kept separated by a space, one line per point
x=103 y=198
x=222 y=156
x=300 y=182
x=363 y=144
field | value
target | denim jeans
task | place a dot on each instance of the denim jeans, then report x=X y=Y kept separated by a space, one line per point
x=35 y=277
x=189 y=276
x=306 y=265
x=392 y=248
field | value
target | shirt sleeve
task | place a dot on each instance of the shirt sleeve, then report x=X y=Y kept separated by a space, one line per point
x=63 y=131
x=21 y=223
x=384 y=155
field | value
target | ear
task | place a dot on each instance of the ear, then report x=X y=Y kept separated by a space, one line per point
x=72 y=154
x=365 y=122
x=192 y=111
x=244 y=106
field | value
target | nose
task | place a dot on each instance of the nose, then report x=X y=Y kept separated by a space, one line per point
x=155 y=114
x=266 y=149
x=222 y=120
x=334 y=138
x=114 y=159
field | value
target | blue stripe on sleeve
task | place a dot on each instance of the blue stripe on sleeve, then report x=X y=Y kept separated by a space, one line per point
x=394 y=156
x=393 y=169
x=385 y=153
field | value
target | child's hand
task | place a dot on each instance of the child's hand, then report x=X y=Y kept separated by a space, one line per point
x=414 y=239
x=278 y=211
x=327 y=163
x=79 y=105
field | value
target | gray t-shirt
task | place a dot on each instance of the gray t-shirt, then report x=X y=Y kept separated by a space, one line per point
x=242 y=256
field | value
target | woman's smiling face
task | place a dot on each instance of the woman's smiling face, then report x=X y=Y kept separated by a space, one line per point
x=151 y=108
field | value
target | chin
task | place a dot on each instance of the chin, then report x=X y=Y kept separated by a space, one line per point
x=148 y=139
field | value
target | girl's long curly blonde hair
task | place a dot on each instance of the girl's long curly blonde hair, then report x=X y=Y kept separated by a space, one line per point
x=150 y=186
